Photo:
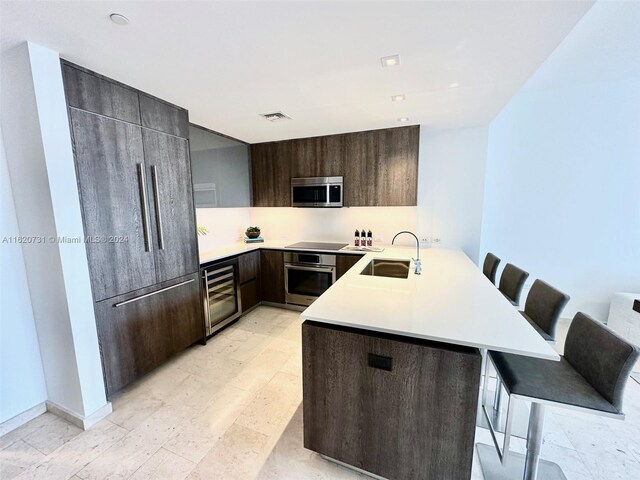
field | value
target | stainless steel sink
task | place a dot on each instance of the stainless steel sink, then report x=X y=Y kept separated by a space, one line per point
x=380 y=267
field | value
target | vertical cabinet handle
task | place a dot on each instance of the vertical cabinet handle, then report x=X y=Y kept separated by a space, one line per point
x=142 y=185
x=156 y=203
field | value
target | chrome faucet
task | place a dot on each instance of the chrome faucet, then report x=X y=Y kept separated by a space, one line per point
x=416 y=260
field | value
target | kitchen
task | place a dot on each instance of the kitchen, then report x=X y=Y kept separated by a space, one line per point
x=297 y=282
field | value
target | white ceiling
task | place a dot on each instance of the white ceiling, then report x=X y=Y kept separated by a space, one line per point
x=319 y=62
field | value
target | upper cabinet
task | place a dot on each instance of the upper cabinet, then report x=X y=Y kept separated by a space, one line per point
x=380 y=167
x=163 y=116
x=271 y=173
x=220 y=169
x=90 y=92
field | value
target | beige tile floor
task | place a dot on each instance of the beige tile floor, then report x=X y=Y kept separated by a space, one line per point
x=231 y=410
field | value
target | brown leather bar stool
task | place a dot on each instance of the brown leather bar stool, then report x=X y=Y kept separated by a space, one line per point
x=490 y=267
x=512 y=282
x=590 y=377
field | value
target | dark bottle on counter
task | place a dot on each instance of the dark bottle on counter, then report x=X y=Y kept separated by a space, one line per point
x=369 y=239
x=356 y=241
x=363 y=238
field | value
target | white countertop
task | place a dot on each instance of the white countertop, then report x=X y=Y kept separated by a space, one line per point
x=218 y=253
x=451 y=302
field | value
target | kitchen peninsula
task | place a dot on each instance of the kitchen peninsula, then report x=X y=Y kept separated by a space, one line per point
x=391 y=366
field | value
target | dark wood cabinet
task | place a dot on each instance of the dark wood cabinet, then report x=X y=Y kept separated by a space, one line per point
x=140 y=330
x=317 y=156
x=397 y=407
x=397 y=166
x=159 y=115
x=272 y=275
x=271 y=174
x=171 y=196
x=110 y=165
x=380 y=167
x=249 y=266
x=136 y=195
x=344 y=263
x=250 y=294
x=93 y=93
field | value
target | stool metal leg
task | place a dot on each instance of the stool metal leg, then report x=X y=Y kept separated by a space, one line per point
x=534 y=441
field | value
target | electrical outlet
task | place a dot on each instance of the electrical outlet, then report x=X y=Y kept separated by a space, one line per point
x=436 y=241
x=425 y=239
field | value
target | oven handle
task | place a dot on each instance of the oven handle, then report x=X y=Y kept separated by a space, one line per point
x=289 y=266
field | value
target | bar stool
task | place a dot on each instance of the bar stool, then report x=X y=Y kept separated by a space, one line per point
x=543 y=308
x=512 y=282
x=490 y=267
x=590 y=377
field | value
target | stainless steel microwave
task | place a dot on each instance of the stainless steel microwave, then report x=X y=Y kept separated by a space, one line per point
x=316 y=192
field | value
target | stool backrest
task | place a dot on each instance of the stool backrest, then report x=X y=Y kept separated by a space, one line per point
x=512 y=281
x=602 y=357
x=490 y=267
x=544 y=305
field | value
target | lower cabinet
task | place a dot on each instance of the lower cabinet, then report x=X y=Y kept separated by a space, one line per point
x=140 y=330
x=272 y=275
x=394 y=406
x=250 y=294
x=345 y=262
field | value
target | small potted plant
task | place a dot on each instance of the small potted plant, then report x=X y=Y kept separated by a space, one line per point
x=252 y=232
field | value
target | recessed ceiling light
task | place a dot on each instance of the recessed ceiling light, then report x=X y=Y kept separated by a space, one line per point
x=454 y=85
x=390 y=61
x=119 y=19
x=403 y=119
x=275 y=116
x=398 y=98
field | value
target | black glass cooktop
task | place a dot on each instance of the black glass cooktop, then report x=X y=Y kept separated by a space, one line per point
x=317 y=246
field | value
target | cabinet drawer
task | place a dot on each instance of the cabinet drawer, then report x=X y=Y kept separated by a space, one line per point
x=249 y=266
x=97 y=95
x=163 y=116
x=249 y=294
x=140 y=330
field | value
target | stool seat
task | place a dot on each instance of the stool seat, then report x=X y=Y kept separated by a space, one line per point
x=540 y=331
x=556 y=382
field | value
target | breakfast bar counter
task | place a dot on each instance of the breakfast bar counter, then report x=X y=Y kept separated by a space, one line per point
x=391 y=364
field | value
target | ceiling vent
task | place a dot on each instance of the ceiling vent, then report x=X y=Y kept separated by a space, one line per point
x=275 y=116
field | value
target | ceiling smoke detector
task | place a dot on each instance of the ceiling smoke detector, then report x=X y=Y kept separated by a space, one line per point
x=275 y=116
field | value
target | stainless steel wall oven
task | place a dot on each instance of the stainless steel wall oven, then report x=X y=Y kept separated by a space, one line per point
x=307 y=276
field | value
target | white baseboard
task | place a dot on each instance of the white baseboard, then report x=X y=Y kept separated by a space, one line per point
x=22 y=418
x=78 y=420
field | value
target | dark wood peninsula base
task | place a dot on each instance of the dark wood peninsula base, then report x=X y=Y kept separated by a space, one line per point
x=394 y=406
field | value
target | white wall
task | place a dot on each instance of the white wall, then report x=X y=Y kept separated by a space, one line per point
x=451 y=186
x=21 y=375
x=224 y=226
x=334 y=224
x=39 y=155
x=562 y=183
